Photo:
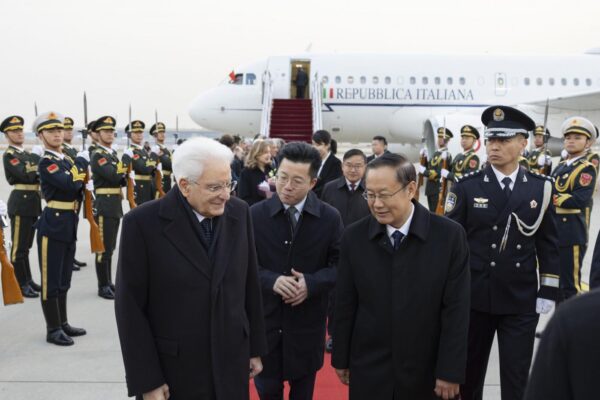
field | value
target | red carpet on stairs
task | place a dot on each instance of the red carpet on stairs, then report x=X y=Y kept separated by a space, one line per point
x=327 y=387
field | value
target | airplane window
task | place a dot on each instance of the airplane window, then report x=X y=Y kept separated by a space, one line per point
x=325 y=79
x=576 y=81
x=375 y=80
x=539 y=81
x=425 y=80
x=250 y=78
x=437 y=80
x=563 y=81
x=338 y=79
x=363 y=80
x=462 y=80
x=449 y=81
x=350 y=80
x=388 y=80
x=551 y=81
x=527 y=81
x=588 y=82
x=237 y=80
x=413 y=80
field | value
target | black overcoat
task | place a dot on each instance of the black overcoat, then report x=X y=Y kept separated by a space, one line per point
x=185 y=317
x=351 y=205
x=402 y=317
x=332 y=169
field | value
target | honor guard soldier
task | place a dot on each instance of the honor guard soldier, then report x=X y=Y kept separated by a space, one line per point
x=62 y=188
x=142 y=164
x=93 y=136
x=161 y=152
x=468 y=161
x=24 y=203
x=575 y=180
x=539 y=159
x=434 y=167
x=108 y=174
x=506 y=211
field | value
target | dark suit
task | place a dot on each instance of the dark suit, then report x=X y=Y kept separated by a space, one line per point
x=250 y=178
x=567 y=364
x=296 y=335
x=351 y=205
x=301 y=82
x=504 y=281
x=186 y=316
x=332 y=169
x=372 y=156
x=595 y=268
x=402 y=316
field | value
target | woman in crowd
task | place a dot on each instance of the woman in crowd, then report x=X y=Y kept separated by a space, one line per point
x=331 y=166
x=253 y=184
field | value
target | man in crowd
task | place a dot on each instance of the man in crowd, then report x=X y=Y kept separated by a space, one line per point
x=188 y=308
x=433 y=170
x=297 y=241
x=164 y=155
x=379 y=147
x=507 y=214
x=142 y=164
x=467 y=161
x=540 y=159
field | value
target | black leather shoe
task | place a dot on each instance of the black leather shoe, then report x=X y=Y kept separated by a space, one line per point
x=28 y=292
x=79 y=263
x=59 y=338
x=112 y=287
x=106 y=293
x=329 y=345
x=72 y=331
x=538 y=335
x=75 y=267
x=35 y=286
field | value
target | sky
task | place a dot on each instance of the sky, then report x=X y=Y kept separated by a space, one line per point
x=158 y=55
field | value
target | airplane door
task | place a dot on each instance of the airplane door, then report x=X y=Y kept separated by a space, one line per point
x=501 y=85
x=279 y=67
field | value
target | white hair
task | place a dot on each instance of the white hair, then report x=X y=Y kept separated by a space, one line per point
x=193 y=155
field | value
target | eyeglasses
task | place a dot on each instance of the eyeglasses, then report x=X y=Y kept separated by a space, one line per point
x=227 y=186
x=370 y=196
x=295 y=182
x=355 y=167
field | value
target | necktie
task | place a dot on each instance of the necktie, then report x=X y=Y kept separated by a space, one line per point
x=352 y=187
x=291 y=211
x=397 y=236
x=507 y=181
x=206 y=226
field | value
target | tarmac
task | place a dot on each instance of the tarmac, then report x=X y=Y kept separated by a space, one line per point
x=93 y=369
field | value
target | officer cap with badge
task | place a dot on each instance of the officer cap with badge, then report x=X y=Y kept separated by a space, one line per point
x=444 y=133
x=539 y=130
x=12 y=123
x=469 y=130
x=157 y=128
x=68 y=123
x=106 y=123
x=579 y=125
x=506 y=122
x=136 y=126
x=48 y=120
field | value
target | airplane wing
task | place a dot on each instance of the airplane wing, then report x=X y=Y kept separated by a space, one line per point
x=581 y=102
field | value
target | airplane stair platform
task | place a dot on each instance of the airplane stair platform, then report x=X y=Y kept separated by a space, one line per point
x=292 y=120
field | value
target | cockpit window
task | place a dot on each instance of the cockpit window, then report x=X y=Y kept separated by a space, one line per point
x=237 y=80
x=250 y=78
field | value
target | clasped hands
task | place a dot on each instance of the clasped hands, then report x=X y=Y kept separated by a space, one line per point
x=292 y=289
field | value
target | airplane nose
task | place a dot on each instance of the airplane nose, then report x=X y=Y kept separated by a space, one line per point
x=199 y=109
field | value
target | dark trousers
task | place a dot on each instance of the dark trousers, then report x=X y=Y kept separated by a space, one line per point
x=56 y=266
x=330 y=309
x=516 y=334
x=22 y=239
x=272 y=388
x=143 y=191
x=300 y=92
x=432 y=201
x=109 y=229
x=571 y=259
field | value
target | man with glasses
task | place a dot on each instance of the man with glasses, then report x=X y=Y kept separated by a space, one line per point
x=297 y=241
x=402 y=295
x=188 y=304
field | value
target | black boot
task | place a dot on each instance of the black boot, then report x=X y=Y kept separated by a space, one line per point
x=35 y=286
x=28 y=292
x=75 y=267
x=54 y=332
x=30 y=281
x=79 y=263
x=68 y=329
x=111 y=284
x=104 y=289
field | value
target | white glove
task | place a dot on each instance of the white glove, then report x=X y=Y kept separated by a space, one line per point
x=115 y=147
x=564 y=154
x=483 y=159
x=3 y=208
x=423 y=152
x=421 y=169
x=444 y=155
x=541 y=160
x=543 y=306
x=128 y=152
x=155 y=149
x=85 y=155
x=38 y=150
x=132 y=175
x=159 y=167
x=445 y=172
x=89 y=186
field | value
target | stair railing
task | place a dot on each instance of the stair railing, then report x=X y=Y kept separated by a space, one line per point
x=267 y=104
x=316 y=94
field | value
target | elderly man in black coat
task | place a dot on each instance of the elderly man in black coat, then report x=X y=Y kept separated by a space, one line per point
x=297 y=239
x=188 y=306
x=402 y=303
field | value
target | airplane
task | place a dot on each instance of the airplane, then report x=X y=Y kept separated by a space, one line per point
x=405 y=97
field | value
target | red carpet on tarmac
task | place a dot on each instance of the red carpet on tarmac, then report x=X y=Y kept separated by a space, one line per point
x=327 y=387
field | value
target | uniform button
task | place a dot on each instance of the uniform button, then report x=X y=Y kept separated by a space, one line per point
x=518 y=265
x=493 y=264
x=495 y=227
x=564 y=219
x=280 y=331
x=494 y=245
x=57 y=214
x=24 y=196
x=518 y=247
x=108 y=195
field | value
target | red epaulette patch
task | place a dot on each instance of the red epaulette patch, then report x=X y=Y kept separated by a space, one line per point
x=136 y=156
x=52 y=168
x=102 y=161
x=473 y=163
x=585 y=179
x=14 y=161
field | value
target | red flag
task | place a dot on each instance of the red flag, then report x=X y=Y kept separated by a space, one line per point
x=232 y=76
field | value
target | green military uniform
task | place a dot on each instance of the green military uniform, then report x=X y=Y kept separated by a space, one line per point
x=433 y=170
x=142 y=165
x=69 y=151
x=108 y=174
x=468 y=161
x=24 y=205
x=165 y=157
x=534 y=155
